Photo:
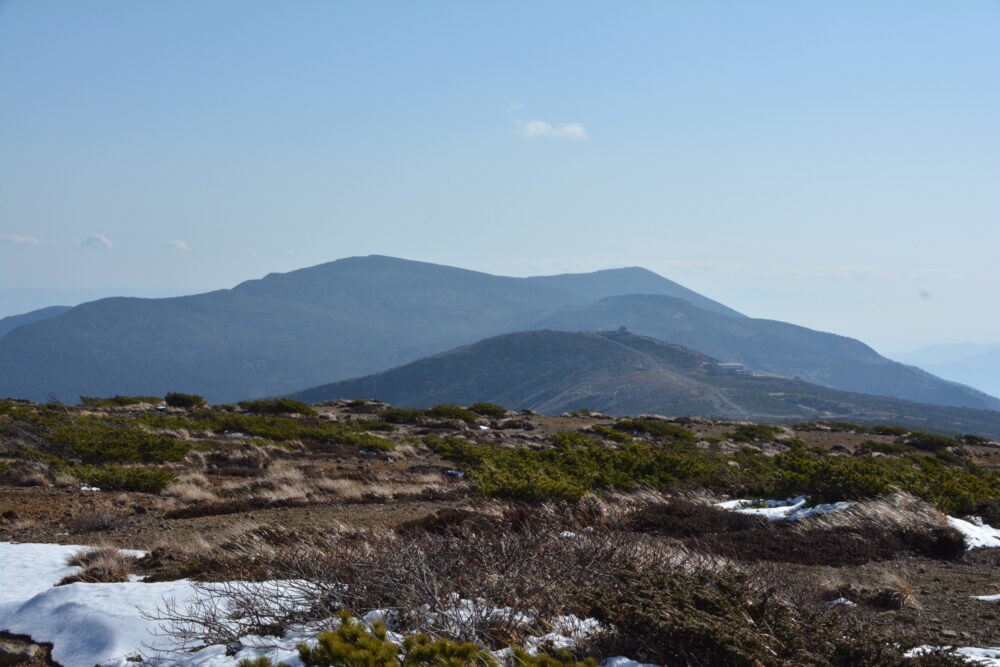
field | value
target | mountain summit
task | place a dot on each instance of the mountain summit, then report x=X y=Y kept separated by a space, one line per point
x=361 y=315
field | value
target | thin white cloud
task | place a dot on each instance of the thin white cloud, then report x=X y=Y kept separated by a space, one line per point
x=95 y=241
x=176 y=245
x=21 y=239
x=513 y=107
x=540 y=129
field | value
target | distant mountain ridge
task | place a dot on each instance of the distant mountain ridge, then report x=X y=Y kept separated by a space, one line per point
x=360 y=315
x=14 y=321
x=285 y=331
x=975 y=365
x=778 y=347
x=621 y=373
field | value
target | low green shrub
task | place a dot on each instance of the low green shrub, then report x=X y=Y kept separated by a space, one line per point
x=754 y=433
x=277 y=428
x=577 y=465
x=835 y=426
x=112 y=477
x=970 y=439
x=178 y=400
x=117 y=401
x=95 y=439
x=930 y=442
x=402 y=415
x=952 y=488
x=565 y=439
x=655 y=429
x=489 y=410
x=881 y=429
x=448 y=411
x=887 y=447
x=277 y=406
x=612 y=434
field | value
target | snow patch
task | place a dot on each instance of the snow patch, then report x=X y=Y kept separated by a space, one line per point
x=977 y=656
x=778 y=510
x=977 y=534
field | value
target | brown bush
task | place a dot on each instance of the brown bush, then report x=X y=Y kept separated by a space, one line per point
x=95 y=522
x=726 y=618
x=25 y=473
x=838 y=546
x=510 y=581
x=684 y=518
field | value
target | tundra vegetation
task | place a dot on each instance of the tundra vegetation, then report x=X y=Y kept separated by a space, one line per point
x=472 y=533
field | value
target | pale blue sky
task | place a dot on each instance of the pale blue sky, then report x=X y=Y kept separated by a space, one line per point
x=831 y=164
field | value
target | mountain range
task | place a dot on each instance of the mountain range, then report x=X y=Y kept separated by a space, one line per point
x=361 y=315
x=619 y=372
x=14 y=321
x=974 y=364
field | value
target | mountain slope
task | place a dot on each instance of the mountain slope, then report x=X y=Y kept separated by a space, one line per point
x=14 y=321
x=621 y=373
x=778 y=347
x=590 y=287
x=360 y=315
x=284 y=331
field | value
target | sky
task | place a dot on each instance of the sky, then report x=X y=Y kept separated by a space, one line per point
x=831 y=164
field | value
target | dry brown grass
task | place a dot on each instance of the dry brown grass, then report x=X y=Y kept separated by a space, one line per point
x=883 y=589
x=346 y=489
x=189 y=492
x=898 y=511
x=100 y=565
x=25 y=473
x=95 y=521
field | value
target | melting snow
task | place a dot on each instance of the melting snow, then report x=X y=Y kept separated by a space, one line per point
x=976 y=656
x=777 y=510
x=977 y=533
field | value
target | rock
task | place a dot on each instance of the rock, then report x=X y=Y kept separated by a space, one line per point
x=20 y=650
x=948 y=633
